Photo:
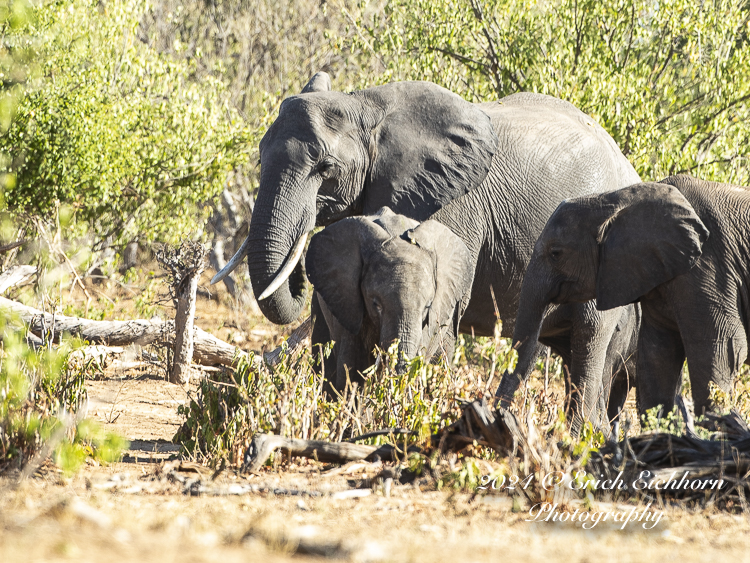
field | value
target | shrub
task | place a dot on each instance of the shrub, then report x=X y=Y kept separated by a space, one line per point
x=41 y=394
x=113 y=132
x=288 y=400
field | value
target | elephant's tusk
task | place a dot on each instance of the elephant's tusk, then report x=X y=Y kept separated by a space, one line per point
x=233 y=263
x=286 y=271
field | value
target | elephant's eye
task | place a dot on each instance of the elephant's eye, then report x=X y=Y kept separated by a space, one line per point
x=328 y=169
x=555 y=254
x=377 y=307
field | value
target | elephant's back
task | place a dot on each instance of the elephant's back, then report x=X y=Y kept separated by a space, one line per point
x=723 y=208
x=532 y=99
x=548 y=151
x=565 y=141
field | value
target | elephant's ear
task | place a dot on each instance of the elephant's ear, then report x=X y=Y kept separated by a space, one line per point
x=334 y=266
x=431 y=147
x=454 y=268
x=320 y=82
x=394 y=224
x=653 y=237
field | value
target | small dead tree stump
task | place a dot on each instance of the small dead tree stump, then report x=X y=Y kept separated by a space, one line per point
x=184 y=266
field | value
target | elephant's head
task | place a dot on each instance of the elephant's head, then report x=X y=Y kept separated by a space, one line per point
x=409 y=281
x=411 y=146
x=615 y=248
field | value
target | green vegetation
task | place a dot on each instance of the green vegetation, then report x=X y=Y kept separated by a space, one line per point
x=41 y=395
x=669 y=80
x=288 y=400
x=113 y=131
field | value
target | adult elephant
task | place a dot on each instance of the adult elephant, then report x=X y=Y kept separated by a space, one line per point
x=415 y=147
x=678 y=247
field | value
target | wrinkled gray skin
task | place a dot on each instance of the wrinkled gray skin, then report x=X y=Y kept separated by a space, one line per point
x=415 y=147
x=597 y=395
x=385 y=277
x=680 y=248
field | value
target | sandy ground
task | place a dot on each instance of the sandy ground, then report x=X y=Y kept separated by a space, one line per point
x=141 y=509
x=137 y=510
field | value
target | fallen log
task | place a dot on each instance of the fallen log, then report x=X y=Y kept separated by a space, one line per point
x=16 y=277
x=208 y=350
x=263 y=445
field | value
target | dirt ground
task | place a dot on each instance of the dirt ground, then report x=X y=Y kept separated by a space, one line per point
x=137 y=511
x=142 y=509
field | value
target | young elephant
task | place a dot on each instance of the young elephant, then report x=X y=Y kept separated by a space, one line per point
x=680 y=247
x=387 y=277
x=600 y=397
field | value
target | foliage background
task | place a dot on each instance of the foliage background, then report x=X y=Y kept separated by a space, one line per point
x=113 y=130
x=136 y=113
x=669 y=80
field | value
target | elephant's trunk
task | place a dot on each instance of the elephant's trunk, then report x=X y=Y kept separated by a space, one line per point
x=409 y=335
x=284 y=213
x=531 y=308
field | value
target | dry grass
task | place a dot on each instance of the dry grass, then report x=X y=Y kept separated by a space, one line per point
x=47 y=518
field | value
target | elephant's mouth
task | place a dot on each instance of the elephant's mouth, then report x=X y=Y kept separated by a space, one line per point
x=331 y=208
x=555 y=294
x=567 y=292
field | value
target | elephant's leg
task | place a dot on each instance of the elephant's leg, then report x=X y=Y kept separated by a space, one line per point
x=321 y=335
x=591 y=334
x=714 y=361
x=619 y=370
x=715 y=342
x=659 y=366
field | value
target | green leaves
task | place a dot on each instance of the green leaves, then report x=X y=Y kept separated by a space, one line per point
x=669 y=80
x=114 y=129
x=40 y=394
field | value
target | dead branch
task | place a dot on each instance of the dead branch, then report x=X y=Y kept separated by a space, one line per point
x=16 y=277
x=499 y=433
x=55 y=247
x=184 y=265
x=297 y=341
x=8 y=247
x=263 y=445
x=208 y=350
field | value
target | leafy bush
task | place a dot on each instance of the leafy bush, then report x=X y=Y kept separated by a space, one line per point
x=40 y=396
x=114 y=132
x=288 y=400
x=669 y=80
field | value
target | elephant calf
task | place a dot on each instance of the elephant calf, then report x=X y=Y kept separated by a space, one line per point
x=386 y=277
x=680 y=247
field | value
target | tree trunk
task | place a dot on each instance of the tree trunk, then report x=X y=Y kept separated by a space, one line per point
x=183 y=323
x=130 y=256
